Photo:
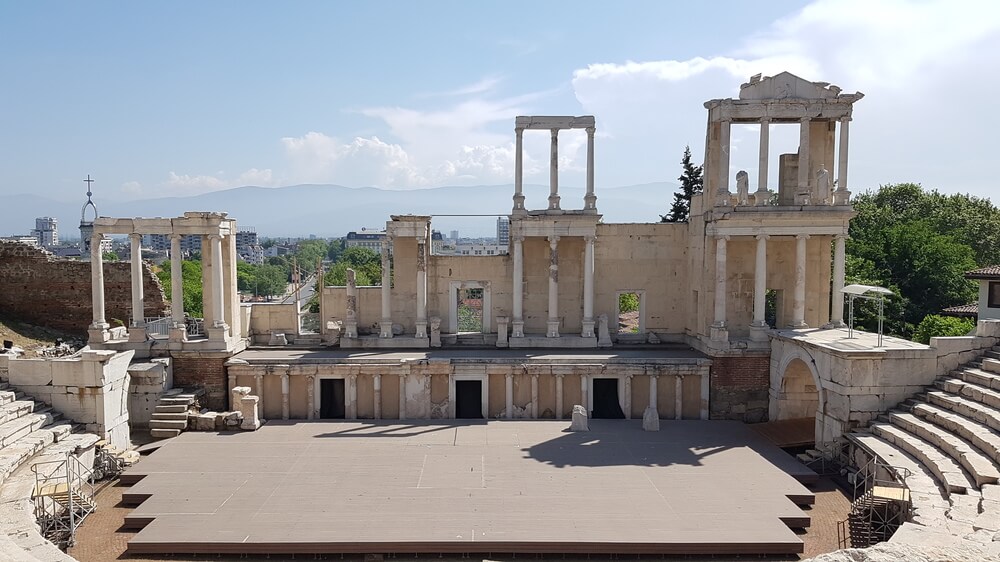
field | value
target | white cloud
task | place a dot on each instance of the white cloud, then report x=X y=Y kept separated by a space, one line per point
x=187 y=184
x=132 y=187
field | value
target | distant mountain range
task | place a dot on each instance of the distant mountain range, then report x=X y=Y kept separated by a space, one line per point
x=334 y=210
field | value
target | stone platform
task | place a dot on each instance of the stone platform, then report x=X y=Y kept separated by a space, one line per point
x=694 y=487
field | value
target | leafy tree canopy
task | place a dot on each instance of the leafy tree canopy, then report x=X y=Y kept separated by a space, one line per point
x=934 y=325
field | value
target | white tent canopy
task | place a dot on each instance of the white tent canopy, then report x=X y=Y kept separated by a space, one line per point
x=871 y=292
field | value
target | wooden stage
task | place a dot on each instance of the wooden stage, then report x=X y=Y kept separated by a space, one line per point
x=694 y=487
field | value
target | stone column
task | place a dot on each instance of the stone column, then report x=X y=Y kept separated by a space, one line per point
x=585 y=393
x=258 y=387
x=803 y=195
x=554 y=172
x=837 y=298
x=351 y=408
x=706 y=392
x=559 y=396
x=284 y=396
x=422 y=289
x=719 y=331
x=842 y=196
x=799 y=301
x=762 y=195
x=351 y=319
x=98 y=330
x=588 y=287
x=218 y=290
x=678 y=397
x=377 y=383
x=518 y=288
x=723 y=197
x=590 y=200
x=518 y=173
x=509 y=396
x=137 y=331
x=534 y=397
x=402 y=396
x=178 y=329
x=652 y=391
x=553 y=322
x=310 y=397
x=759 y=325
x=385 y=325
x=628 y=397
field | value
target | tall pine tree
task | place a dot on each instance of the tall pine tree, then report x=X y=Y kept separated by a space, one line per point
x=692 y=182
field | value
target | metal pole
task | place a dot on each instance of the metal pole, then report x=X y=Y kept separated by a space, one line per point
x=880 y=301
x=69 y=486
x=850 y=326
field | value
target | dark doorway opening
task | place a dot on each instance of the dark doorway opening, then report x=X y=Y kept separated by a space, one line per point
x=469 y=400
x=606 y=404
x=331 y=399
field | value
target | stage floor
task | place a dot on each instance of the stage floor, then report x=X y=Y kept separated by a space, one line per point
x=498 y=486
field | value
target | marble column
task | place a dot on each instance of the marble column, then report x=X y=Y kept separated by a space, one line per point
x=137 y=331
x=377 y=406
x=553 y=322
x=517 y=325
x=518 y=173
x=559 y=396
x=719 y=331
x=585 y=393
x=628 y=397
x=837 y=297
x=422 y=288
x=509 y=396
x=678 y=397
x=351 y=407
x=762 y=196
x=218 y=289
x=803 y=194
x=179 y=328
x=588 y=287
x=284 y=396
x=842 y=196
x=385 y=324
x=590 y=200
x=723 y=196
x=554 y=172
x=402 y=396
x=759 y=325
x=534 y=397
x=310 y=397
x=258 y=386
x=98 y=330
x=799 y=300
x=652 y=391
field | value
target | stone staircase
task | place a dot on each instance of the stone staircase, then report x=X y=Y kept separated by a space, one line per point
x=171 y=415
x=31 y=433
x=948 y=440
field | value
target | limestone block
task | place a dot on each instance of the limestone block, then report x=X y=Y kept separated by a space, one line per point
x=202 y=422
x=650 y=419
x=579 y=422
x=232 y=420
x=991 y=365
x=30 y=372
x=277 y=339
x=652 y=338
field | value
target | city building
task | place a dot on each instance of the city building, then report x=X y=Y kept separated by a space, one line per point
x=46 y=231
x=503 y=231
x=365 y=238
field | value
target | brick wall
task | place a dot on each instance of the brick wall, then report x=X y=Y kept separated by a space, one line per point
x=739 y=388
x=39 y=288
x=209 y=373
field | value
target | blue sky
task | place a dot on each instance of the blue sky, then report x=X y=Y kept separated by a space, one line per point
x=165 y=99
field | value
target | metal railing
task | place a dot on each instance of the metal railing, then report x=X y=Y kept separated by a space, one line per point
x=158 y=326
x=63 y=497
x=309 y=323
x=881 y=505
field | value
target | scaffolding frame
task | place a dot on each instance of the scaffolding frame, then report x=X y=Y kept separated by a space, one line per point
x=881 y=505
x=63 y=497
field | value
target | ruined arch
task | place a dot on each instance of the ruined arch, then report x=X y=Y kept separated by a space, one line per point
x=797 y=390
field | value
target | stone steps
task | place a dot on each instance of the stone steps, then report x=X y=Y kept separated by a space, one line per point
x=979 y=435
x=16 y=409
x=13 y=430
x=170 y=417
x=948 y=472
x=972 y=391
x=168 y=424
x=158 y=433
x=986 y=415
x=171 y=409
x=978 y=465
x=978 y=376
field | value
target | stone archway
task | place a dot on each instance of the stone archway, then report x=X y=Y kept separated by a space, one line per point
x=797 y=391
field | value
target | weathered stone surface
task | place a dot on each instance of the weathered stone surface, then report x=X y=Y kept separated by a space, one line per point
x=651 y=419
x=580 y=422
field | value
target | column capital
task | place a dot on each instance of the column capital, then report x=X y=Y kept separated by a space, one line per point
x=553 y=240
x=560 y=376
x=846 y=119
x=509 y=376
x=135 y=235
x=841 y=236
x=215 y=236
x=802 y=236
x=726 y=120
x=517 y=238
x=352 y=377
x=533 y=376
x=722 y=237
x=518 y=130
x=590 y=238
x=555 y=133
x=591 y=131
x=765 y=120
x=177 y=237
x=628 y=378
x=763 y=236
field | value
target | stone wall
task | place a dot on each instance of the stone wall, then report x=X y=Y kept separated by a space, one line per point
x=203 y=370
x=39 y=288
x=739 y=388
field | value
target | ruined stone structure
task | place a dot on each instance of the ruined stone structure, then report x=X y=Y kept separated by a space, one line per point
x=43 y=289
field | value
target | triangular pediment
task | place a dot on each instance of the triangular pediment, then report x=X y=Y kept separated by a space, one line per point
x=786 y=86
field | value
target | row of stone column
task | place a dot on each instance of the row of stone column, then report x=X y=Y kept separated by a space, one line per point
x=385 y=325
x=552 y=324
x=840 y=197
x=760 y=284
x=589 y=199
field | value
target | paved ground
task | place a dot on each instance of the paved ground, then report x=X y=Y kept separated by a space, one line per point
x=665 y=351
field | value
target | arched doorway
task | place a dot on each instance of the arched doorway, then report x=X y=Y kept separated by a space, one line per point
x=798 y=396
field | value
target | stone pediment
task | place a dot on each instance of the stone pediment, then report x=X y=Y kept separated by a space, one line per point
x=786 y=86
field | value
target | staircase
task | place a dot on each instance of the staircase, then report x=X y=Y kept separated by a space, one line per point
x=170 y=417
x=33 y=436
x=947 y=441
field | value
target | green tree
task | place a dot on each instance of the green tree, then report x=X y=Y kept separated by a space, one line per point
x=310 y=252
x=110 y=256
x=363 y=260
x=934 y=325
x=337 y=276
x=336 y=249
x=692 y=183
x=191 y=276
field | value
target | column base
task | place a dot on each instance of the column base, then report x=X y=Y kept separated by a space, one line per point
x=761 y=198
x=385 y=329
x=799 y=325
x=841 y=197
x=98 y=332
x=834 y=325
x=588 y=329
x=421 y=328
x=590 y=203
x=178 y=333
x=350 y=329
x=552 y=329
x=758 y=332
x=554 y=203
x=719 y=333
x=218 y=332
x=803 y=198
x=137 y=334
x=723 y=199
x=519 y=206
x=517 y=329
